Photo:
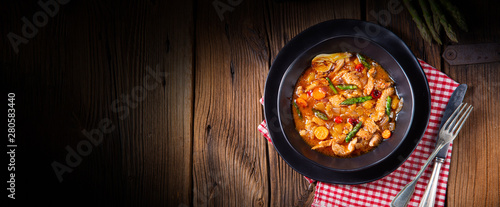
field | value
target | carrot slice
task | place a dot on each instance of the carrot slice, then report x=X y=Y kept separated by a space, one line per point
x=386 y=134
x=301 y=102
x=321 y=132
x=318 y=94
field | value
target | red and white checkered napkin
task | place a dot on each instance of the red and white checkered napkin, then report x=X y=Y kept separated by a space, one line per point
x=381 y=192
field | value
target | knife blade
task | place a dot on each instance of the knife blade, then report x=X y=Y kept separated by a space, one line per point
x=456 y=99
x=429 y=196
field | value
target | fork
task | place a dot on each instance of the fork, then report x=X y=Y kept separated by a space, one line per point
x=447 y=134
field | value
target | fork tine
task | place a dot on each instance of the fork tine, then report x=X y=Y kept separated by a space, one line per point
x=457 y=120
x=462 y=120
x=452 y=118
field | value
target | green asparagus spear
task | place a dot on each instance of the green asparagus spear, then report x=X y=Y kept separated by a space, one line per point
x=363 y=61
x=297 y=109
x=331 y=86
x=455 y=13
x=347 y=87
x=388 y=105
x=320 y=115
x=437 y=24
x=442 y=19
x=418 y=21
x=356 y=100
x=354 y=130
x=428 y=20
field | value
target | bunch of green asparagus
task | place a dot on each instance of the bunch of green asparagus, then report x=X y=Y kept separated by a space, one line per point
x=436 y=19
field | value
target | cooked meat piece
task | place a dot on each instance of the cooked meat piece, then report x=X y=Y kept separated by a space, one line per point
x=362 y=144
x=322 y=144
x=344 y=151
x=303 y=132
x=318 y=121
x=312 y=85
x=337 y=79
x=309 y=123
x=352 y=144
x=372 y=72
x=353 y=94
x=380 y=107
x=381 y=85
x=335 y=100
x=339 y=139
x=370 y=126
x=299 y=91
x=375 y=141
x=352 y=78
x=369 y=86
x=364 y=134
x=347 y=128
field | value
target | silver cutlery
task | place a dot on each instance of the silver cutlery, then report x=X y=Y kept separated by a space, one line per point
x=429 y=196
x=446 y=135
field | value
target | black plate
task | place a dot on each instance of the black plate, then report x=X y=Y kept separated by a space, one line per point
x=353 y=36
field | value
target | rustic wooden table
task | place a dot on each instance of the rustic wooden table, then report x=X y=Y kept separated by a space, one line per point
x=169 y=90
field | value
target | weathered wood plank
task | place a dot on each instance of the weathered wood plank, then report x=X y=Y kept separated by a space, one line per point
x=92 y=54
x=165 y=39
x=60 y=76
x=289 y=188
x=229 y=154
x=475 y=171
x=88 y=64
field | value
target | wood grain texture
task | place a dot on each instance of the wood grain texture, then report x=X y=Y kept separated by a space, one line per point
x=187 y=136
x=229 y=154
x=62 y=94
x=162 y=174
x=88 y=57
x=289 y=188
x=475 y=170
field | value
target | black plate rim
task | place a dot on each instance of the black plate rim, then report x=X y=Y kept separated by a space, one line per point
x=311 y=36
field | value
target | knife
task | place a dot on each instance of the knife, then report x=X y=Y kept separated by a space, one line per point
x=429 y=196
